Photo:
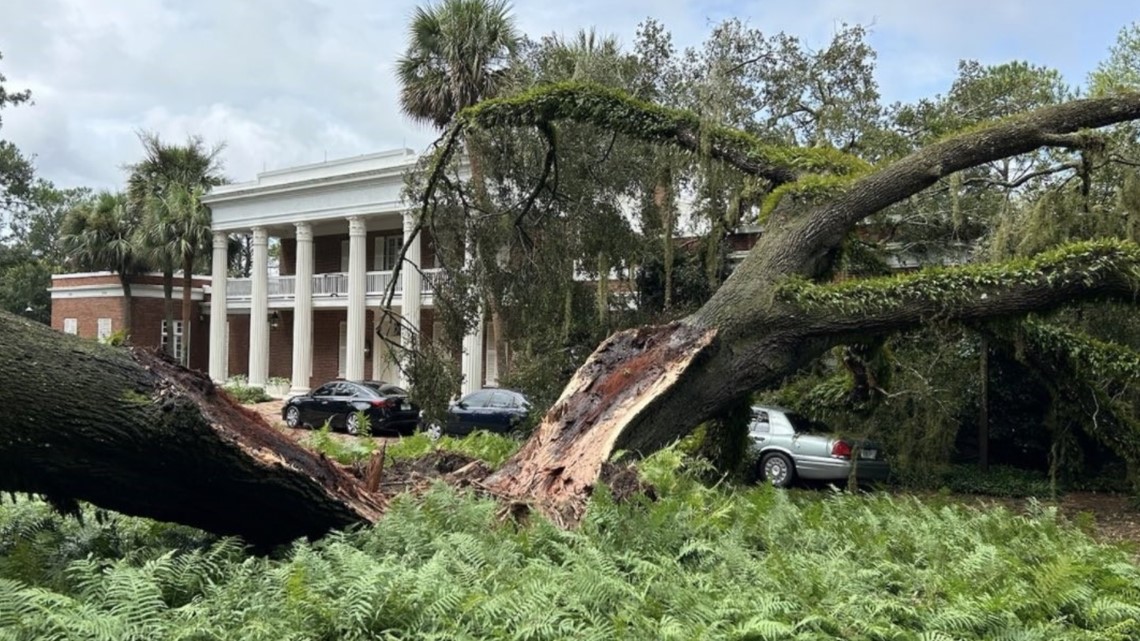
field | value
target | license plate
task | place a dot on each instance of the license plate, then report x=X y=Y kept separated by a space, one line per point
x=868 y=453
x=405 y=406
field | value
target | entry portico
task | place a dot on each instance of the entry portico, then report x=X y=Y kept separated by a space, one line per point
x=339 y=226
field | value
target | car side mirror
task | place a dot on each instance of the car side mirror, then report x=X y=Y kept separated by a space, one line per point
x=461 y=405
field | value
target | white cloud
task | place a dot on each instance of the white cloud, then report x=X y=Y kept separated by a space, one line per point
x=294 y=81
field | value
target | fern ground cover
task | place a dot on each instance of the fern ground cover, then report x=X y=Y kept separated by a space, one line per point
x=697 y=563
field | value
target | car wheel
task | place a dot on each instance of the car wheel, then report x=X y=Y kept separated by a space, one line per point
x=352 y=424
x=293 y=417
x=777 y=469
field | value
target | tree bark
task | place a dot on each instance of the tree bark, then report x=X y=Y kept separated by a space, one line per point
x=131 y=431
x=128 y=303
x=984 y=406
x=168 y=310
x=187 y=306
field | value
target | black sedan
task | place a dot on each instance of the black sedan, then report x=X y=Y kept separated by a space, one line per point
x=339 y=402
x=491 y=409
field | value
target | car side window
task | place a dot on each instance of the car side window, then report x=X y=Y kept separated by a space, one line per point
x=325 y=390
x=477 y=399
x=345 y=389
x=760 y=424
x=500 y=399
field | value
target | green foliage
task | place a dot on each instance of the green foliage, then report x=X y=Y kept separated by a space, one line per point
x=434 y=375
x=1077 y=263
x=244 y=393
x=343 y=450
x=697 y=563
x=998 y=480
x=614 y=110
x=492 y=449
x=812 y=188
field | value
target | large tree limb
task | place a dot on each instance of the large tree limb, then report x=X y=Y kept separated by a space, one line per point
x=1050 y=126
x=131 y=431
x=614 y=110
x=1081 y=271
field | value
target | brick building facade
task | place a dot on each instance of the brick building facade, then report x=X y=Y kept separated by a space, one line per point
x=91 y=305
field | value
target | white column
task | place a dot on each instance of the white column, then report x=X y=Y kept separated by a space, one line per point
x=410 y=273
x=472 y=364
x=357 y=274
x=379 y=350
x=411 y=290
x=259 y=310
x=219 y=349
x=303 y=310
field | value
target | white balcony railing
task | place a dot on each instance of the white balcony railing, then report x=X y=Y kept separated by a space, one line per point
x=334 y=284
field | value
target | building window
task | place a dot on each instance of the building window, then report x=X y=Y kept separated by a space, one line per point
x=387 y=249
x=71 y=326
x=179 y=343
x=103 y=329
x=344 y=256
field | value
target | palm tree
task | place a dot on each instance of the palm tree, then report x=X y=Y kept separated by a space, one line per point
x=99 y=235
x=458 y=54
x=168 y=184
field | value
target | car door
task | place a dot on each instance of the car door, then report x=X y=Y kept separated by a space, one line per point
x=760 y=430
x=499 y=413
x=465 y=415
x=340 y=403
x=317 y=409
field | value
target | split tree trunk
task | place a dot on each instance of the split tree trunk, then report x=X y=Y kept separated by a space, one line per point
x=131 y=431
x=187 y=306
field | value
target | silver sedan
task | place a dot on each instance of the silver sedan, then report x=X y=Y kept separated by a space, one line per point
x=790 y=446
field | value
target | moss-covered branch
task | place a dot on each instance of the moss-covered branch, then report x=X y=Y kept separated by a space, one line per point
x=1087 y=270
x=1066 y=125
x=614 y=110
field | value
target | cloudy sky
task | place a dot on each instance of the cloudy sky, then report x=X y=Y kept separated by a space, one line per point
x=286 y=82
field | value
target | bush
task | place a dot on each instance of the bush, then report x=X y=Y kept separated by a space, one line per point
x=244 y=393
x=999 y=480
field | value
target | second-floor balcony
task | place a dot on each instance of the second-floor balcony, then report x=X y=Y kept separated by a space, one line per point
x=330 y=287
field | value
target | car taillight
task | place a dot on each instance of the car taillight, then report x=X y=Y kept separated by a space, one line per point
x=841 y=449
x=380 y=402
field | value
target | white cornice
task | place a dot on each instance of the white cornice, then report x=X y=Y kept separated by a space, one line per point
x=114 y=291
x=177 y=275
x=256 y=190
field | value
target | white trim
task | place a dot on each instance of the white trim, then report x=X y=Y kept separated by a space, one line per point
x=381 y=208
x=177 y=274
x=115 y=291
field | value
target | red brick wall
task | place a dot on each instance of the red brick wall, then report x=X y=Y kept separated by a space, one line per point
x=327 y=251
x=239 y=345
x=326 y=341
x=147 y=314
x=281 y=346
x=86 y=312
x=288 y=257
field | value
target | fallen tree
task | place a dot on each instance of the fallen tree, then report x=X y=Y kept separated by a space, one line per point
x=645 y=387
x=132 y=432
